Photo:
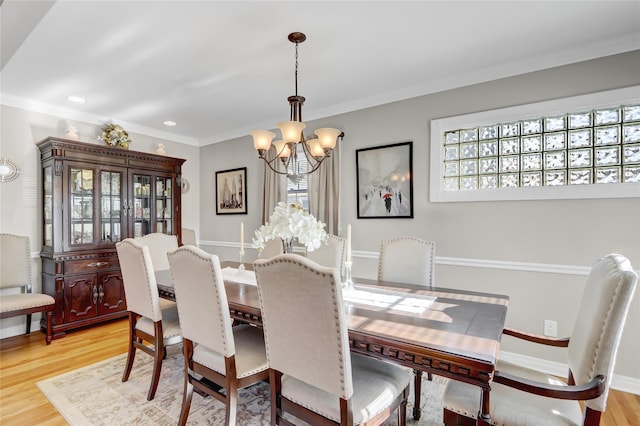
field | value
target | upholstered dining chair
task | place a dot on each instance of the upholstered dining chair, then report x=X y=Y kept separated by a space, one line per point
x=147 y=320
x=15 y=272
x=522 y=396
x=216 y=354
x=272 y=248
x=189 y=237
x=332 y=253
x=313 y=376
x=159 y=245
x=407 y=260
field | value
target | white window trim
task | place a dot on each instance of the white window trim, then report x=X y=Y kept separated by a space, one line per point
x=605 y=99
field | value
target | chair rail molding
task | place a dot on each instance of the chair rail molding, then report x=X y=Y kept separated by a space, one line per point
x=455 y=261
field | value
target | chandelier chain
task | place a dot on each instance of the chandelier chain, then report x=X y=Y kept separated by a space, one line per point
x=296 y=76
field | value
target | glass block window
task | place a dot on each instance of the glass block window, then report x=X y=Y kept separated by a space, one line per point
x=548 y=150
x=576 y=148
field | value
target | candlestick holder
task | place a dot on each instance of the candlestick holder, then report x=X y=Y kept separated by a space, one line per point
x=348 y=283
x=241 y=267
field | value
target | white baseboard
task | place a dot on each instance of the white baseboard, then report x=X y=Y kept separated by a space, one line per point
x=19 y=329
x=618 y=382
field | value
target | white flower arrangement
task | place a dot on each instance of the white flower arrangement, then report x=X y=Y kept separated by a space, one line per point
x=114 y=135
x=289 y=222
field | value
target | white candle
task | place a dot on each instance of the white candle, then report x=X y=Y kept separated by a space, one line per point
x=349 y=243
x=241 y=238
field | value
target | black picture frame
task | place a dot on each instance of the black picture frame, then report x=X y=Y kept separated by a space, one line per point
x=384 y=181
x=231 y=191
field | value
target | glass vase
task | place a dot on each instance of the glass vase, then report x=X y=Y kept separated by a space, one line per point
x=287 y=246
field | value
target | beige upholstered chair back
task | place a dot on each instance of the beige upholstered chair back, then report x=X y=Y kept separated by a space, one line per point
x=189 y=237
x=271 y=248
x=596 y=334
x=331 y=253
x=140 y=286
x=202 y=300
x=304 y=325
x=407 y=260
x=15 y=261
x=159 y=245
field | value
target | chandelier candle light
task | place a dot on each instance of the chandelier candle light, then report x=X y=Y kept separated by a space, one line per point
x=348 y=284
x=316 y=150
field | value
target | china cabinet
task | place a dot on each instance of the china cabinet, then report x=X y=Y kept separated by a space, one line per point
x=92 y=197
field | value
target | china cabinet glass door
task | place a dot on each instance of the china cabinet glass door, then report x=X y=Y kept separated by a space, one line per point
x=81 y=194
x=47 y=206
x=113 y=209
x=164 y=205
x=153 y=203
x=141 y=202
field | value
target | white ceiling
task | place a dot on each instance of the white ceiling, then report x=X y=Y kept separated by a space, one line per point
x=222 y=68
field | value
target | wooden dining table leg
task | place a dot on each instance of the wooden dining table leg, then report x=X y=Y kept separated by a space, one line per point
x=417 y=389
x=484 y=416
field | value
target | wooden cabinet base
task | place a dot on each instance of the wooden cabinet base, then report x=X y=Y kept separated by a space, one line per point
x=61 y=330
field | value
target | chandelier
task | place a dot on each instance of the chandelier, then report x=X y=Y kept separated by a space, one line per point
x=315 y=150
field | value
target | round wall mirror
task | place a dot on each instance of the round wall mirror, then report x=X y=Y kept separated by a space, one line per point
x=8 y=170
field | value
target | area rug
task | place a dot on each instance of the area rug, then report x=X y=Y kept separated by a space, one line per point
x=95 y=395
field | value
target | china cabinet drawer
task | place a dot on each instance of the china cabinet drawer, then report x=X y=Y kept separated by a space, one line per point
x=90 y=265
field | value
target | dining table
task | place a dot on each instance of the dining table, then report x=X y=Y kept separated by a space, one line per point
x=448 y=332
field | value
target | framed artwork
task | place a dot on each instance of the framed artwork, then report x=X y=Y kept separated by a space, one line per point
x=231 y=191
x=384 y=180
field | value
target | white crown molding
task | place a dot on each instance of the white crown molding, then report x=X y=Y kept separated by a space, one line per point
x=71 y=114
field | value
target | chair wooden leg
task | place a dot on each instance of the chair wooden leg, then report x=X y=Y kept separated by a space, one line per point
x=187 y=352
x=131 y=354
x=232 y=402
x=275 y=384
x=417 y=390
x=402 y=413
x=186 y=400
x=158 y=352
x=28 y=323
x=49 y=335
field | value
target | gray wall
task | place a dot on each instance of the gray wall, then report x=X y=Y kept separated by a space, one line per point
x=533 y=238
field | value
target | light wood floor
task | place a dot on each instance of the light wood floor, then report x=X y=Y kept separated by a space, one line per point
x=25 y=360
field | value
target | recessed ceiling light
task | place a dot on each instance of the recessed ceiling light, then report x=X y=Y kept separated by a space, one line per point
x=169 y=123
x=77 y=99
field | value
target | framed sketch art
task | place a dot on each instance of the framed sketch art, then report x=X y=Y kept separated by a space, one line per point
x=231 y=191
x=385 y=181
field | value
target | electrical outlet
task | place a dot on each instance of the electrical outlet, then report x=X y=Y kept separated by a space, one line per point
x=550 y=328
